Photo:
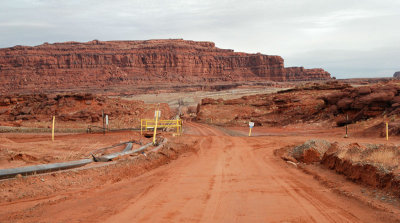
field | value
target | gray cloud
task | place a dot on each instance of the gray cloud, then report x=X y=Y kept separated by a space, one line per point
x=348 y=38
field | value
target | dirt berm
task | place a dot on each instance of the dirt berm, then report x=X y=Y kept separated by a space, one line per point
x=368 y=164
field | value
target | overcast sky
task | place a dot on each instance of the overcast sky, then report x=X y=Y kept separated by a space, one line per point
x=348 y=38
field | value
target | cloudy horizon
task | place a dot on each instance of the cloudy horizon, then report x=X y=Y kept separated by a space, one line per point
x=349 y=39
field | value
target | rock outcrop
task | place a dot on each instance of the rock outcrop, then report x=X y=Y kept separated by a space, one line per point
x=363 y=102
x=396 y=74
x=301 y=74
x=283 y=108
x=36 y=110
x=101 y=64
x=333 y=101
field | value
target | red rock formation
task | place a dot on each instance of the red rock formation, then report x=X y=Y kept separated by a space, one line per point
x=101 y=64
x=301 y=74
x=36 y=110
x=332 y=101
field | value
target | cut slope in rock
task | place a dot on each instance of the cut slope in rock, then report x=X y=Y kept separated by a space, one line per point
x=113 y=63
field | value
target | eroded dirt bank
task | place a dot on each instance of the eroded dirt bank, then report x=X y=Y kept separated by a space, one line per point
x=226 y=179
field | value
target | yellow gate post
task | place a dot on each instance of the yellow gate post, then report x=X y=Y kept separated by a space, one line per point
x=52 y=130
x=141 y=126
x=155 y=128
x=177 y=126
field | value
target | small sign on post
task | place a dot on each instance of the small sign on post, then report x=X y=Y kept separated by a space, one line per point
x=107 y=122
x=157 y=112
x=251 y=125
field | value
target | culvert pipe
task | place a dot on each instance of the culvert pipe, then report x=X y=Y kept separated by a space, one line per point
x=128 y=147
x=42 y=168
x=112 y=156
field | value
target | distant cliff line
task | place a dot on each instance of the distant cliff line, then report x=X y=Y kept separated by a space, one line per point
x=101 y=63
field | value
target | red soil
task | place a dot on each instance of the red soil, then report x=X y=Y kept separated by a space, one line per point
x=226 y=178
x=18 y=149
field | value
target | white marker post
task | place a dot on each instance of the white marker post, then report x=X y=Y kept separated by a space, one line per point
x=107 y=122
x=251 y=125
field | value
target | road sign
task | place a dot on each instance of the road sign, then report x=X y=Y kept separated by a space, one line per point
x=251 y=124
x=159 y=114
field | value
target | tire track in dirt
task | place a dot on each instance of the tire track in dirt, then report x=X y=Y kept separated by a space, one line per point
x=229 y=179
x=330 y=210
x=241 y=183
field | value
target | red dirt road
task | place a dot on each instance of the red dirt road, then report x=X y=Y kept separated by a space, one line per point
x=229 y=179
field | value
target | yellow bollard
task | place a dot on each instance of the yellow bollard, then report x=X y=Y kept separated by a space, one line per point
x=250 y=132
x=177 y=126
x=387 y=131
x=52 y=130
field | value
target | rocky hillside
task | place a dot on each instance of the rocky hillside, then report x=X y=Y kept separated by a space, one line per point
x=100 y=64
x=75 y=110
x=334 y=101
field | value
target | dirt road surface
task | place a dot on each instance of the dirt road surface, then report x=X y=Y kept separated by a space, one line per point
x=228 y=179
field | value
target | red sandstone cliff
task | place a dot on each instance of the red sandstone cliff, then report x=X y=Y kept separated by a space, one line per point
x=100 y=64
x=301 y=74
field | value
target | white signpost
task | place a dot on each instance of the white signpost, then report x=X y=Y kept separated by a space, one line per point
x=159 y=114
x=251 y=125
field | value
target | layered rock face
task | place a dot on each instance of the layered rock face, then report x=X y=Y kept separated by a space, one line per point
x=332 y=101
x=36 y=110
x=101 y=64
x=301 y=74
x=396 y=74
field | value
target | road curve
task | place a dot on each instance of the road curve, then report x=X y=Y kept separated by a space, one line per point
x=232 y=179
